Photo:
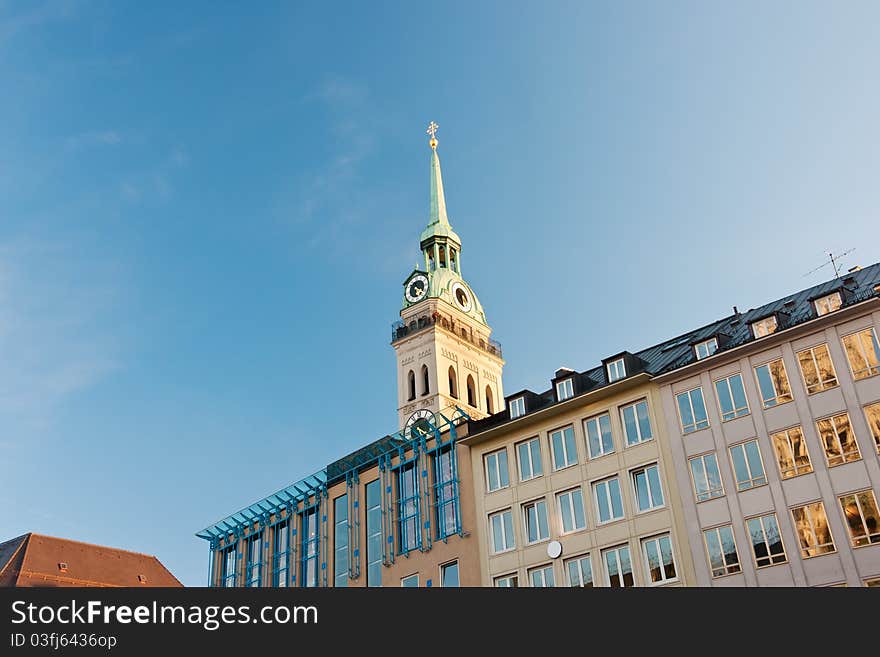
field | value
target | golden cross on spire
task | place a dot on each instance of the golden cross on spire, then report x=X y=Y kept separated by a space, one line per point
x=432 y=129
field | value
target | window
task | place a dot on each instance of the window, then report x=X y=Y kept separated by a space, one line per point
x=692 y=411
x=340 y=541
x=773 y=382
x=426 y=381
x=445 y=493
x=517 y=407
x=874 y=581
x=564 y=389
x=812 y=529
x=706 y=477
x=563 y=448
x=731 y=397
x=496 y=470
x=229 y=561
x=862 y=517
x=721 y=548
x=616 y=370
x=764 y=327
x=863 y=353
x=828 y=304
x=872 y=413
x=309 y=547
x=408 y=535
x=471 y=392
x=571 y=510
x=529 y=458
x=507 y=582
x=453 y=385
x=636 y=424
x=766 y=540
x=542 y=577
x=410 y=582
x=253 y=572
x=838 y=440
x=411 y=384
x=817 y=369
x=609 y=503
x=374 y=533
x=646 y=484
x=791 y=452
x=706 y=348
x=535 y=518
x=747 y=466
x=598 y=432
x=501 y=524
x=490 y=403
x=280 y=553
x=449 y=575
x=579 y=572
x=659 y=559
x=618 y=567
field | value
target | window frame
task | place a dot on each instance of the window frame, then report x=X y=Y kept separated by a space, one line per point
x=764 y=322
x=597 y=419
x=735 y=410
x=819 y=312
x=565 y=386
x=507 y=539
x=594 y=486
x=607 y=575
x=579 y=559
x=764 y=533
x=696 y=425
x=657 y=538
x=778 y=398
x=618 y=366
x=409 y=577
x=796 y=470
x=443 y=567
x=823 y=386
x=644 y=469
x=344 y=575
x=858 y=376
x=808 y=513
x=564 y=445
x=853 y=540
x=517 y=404
x=512 y=576
x=709 y=352
x=836 y=435
x=534 y=503
x=702 y=458
x=742 y=444
x=874 y=429
x=543 y=570
x=529 y=441
x=496 y=454
x=727 y=572
x=571 y=508
x=634 y=406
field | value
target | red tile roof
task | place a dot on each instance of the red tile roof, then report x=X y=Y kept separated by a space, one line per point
x=37 y=560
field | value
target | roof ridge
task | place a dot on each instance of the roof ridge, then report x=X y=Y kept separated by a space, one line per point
x=95 y=545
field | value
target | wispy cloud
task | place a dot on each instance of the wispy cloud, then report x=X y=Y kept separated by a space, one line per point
x=51 y=308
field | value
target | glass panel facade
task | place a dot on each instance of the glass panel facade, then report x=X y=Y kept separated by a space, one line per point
x=340 y=541
x=374 y=533
x=408 y=525
x=445 y=493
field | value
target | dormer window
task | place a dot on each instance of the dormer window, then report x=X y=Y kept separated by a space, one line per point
x=706 y=348
x=564 y=389
x=616 y=370
x=765 y=326
x=517 y=407
x=828 y=304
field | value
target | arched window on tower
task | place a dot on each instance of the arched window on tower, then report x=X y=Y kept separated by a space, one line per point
x=453 y=386
x=443 y=256
x=426 y=386
x=411 y=382
x=471 y=391
x=430 y=253
x=490 y=405
x=453 y=263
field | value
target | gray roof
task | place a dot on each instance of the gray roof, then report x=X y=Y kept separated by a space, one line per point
x=731 y=331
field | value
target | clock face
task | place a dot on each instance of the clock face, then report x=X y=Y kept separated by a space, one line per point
x=419 y=423
x=416 y=288
x=462 y=297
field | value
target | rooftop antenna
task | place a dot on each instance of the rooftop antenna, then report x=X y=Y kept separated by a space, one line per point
x=833 y=261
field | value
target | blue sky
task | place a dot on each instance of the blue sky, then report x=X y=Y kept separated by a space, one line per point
x=207 y=211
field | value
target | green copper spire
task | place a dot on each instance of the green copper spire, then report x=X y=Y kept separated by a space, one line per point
x=438 y=223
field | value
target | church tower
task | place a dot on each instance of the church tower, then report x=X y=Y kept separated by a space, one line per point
x=445 y=357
